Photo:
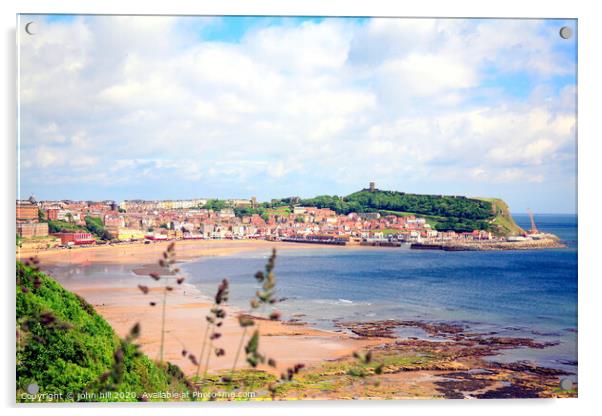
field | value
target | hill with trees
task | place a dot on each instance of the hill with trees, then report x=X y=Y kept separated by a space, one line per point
x=443 y=212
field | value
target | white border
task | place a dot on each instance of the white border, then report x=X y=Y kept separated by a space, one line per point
x=590 y=201
x=429 y=8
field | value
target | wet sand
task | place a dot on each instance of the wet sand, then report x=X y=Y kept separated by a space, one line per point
x=186 y=324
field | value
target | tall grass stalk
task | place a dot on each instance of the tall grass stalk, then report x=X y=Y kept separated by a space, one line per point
x=264 y=296
x=238 y=350
x=167 y=264
x=214 y=320
x=200 y=360
x=164 y=307
x=208 y=354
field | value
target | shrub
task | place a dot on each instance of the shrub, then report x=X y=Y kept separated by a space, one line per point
x=65 y=347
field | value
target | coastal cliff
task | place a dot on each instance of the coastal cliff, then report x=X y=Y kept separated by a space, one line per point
x=502 y=222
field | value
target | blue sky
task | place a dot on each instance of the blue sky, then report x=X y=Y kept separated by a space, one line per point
x=185 y=107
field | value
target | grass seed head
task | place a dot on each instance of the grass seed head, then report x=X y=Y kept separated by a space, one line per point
x=193 y=359
x=245 y=321
x=135 y=330
x=222 y=292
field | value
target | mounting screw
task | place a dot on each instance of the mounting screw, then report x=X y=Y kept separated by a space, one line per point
x=566 y=32
x=566 y=384
x=33 y=388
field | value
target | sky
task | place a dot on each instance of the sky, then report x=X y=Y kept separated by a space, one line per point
x=141 y=107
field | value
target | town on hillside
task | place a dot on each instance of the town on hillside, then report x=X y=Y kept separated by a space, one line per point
x=65 y=223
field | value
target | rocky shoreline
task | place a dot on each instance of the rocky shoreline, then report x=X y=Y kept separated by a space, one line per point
x=453 y=363
x=456 y=360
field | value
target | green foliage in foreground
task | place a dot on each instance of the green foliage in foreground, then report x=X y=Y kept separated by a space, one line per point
x=66 y=348
x=331 y=379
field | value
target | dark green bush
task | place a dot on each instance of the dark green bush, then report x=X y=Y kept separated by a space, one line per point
x=65 y=347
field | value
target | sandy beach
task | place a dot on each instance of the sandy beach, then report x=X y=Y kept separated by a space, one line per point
x=122 y=307
x=186 y=324
x=140 y=253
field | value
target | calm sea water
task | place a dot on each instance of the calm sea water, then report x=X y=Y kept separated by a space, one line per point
x=515 y=293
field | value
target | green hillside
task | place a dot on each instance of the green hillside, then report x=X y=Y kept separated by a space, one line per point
x=443 y=212
x=93 y=225
x=66 y=348
x=502 y=223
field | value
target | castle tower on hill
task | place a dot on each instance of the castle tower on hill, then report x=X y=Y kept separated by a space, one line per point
x=372 y=186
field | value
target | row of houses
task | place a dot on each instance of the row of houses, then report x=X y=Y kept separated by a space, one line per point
x=188 y=219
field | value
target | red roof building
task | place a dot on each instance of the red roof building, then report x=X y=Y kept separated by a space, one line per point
x=77 y=238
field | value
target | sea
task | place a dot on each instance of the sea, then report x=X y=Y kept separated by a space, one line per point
x=530 y=293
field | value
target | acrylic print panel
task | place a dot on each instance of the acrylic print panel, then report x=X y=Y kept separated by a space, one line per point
x=282 y=208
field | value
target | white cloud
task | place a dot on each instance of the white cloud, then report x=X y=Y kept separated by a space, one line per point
x=132 y=98
x=84 y=161
x=46 y=157
x=307 y=48
x=426 y=74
